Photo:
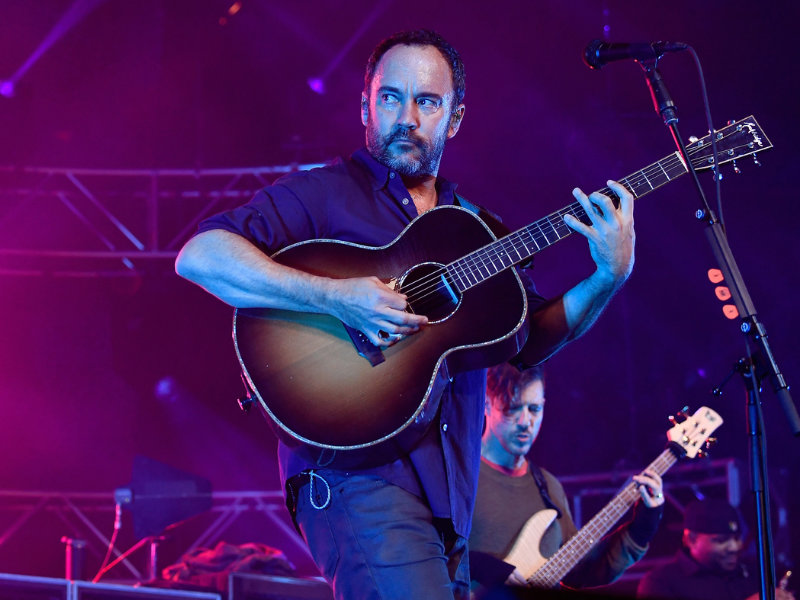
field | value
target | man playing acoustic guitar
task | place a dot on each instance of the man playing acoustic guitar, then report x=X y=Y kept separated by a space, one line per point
x=396 y=529
x=511 y=490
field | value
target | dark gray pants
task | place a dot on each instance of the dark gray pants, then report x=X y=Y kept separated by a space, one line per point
x=374 y=540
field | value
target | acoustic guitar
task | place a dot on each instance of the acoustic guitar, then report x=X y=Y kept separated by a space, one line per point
x=324 y=385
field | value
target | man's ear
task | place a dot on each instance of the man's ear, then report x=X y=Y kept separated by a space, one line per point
x=364 y=110
x=455 y=120
x=487 y=405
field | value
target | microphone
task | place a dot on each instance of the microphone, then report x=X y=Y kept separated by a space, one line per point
x=598 y=53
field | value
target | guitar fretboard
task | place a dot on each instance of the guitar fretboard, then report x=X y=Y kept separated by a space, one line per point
x=516 y=247
x=563 y=561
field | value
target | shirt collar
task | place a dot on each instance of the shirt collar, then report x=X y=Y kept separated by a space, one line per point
x=381 y=175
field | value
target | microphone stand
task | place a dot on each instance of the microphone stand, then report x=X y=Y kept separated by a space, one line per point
x=750 y=325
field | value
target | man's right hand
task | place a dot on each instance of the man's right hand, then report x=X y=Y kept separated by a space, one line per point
x=517 y=579
x=374 y=308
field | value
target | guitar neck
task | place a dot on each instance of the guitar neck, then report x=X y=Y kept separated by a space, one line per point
x=578 y=546
x=520 y=245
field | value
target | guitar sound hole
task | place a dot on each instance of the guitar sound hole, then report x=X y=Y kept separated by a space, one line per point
x=430 y=292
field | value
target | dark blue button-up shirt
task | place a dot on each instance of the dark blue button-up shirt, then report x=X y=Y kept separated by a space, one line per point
x=362 y=201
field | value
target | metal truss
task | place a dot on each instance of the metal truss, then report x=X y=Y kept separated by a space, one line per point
x=112 y=222
x=87 y=515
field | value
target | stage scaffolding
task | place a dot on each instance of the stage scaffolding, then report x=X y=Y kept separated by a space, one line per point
x=112 y=222
x=89 y=516
x=263 y=516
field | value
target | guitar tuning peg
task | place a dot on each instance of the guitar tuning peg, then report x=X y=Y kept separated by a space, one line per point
x=693 y=139
x=701 y=454
x=710 y=442
x=682 y=413
x=755 y=160
x=672 y=420
x=736 y=169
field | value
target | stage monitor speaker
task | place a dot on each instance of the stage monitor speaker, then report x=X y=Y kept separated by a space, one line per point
x=247 y=586
x=25 y=587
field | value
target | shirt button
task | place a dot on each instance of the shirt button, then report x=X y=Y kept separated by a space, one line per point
x=444 y=427
x=392 y=175
x=405 y=200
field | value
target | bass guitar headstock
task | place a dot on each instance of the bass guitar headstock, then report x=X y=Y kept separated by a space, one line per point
x=691 y=434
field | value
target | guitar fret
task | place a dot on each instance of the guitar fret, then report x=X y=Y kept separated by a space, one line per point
x=660 y=166
x=647 y=180
x=456 y=276
x=481 y=266
x=628 y=186
x=547 y=229
x=511 y=246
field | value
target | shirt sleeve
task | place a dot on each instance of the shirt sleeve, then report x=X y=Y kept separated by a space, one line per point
x=293 y=209
x=607 y=561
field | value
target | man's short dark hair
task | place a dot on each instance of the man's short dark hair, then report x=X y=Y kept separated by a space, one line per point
x=505 y=382
x=420 y=37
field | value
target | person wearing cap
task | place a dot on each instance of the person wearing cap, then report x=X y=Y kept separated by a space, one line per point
x=708 y=566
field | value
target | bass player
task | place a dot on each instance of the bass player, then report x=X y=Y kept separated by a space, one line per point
x=512 y=489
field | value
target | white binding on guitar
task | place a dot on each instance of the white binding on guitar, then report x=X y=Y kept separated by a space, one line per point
x=686 y=438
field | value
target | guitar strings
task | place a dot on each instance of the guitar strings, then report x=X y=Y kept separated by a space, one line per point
x=478 y=258
x=426 y=287
x=484 y=258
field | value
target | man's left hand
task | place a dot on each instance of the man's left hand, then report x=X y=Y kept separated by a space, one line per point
x=611 y=236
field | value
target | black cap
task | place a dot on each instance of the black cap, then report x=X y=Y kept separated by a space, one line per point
x=712 y=516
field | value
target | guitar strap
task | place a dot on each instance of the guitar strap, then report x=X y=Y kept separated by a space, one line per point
x=541 y=483
x=488 y=217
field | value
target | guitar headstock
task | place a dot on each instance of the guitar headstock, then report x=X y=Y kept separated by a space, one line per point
x=740 y=138
x=691 y=434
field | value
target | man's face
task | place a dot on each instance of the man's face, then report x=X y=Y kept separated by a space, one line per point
x=713 y=550
x=515 y=428
x=408 y=111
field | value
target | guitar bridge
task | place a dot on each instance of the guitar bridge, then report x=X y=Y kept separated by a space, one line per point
x=364 y=347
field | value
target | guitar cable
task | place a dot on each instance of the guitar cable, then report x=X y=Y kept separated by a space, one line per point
x=104 y=566
x=714 y=153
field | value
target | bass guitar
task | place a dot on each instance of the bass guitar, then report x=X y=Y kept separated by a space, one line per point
x=325 y=385
x=686 y=438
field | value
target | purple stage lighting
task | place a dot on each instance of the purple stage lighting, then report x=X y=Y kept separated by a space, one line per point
x=166 y=390
x=7 y=88
x=316 y=84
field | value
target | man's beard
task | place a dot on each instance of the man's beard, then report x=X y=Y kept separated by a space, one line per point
x=426 y=163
